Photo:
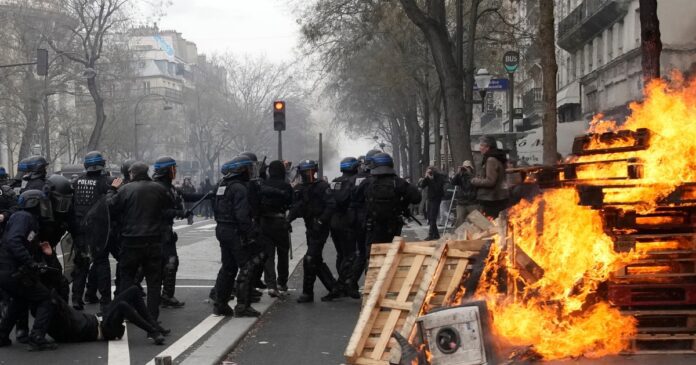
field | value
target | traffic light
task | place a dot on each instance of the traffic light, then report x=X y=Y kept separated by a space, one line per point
x=41 y=62
x=279 y=115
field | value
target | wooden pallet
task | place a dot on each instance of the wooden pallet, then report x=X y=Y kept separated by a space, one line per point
x=677 y=343
x=664 y=321
x=398 y=285
x=378 y=253
x=410 y=277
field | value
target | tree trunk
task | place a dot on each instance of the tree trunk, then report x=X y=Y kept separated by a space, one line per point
x=396 y=143
x=651 y=44
x=468 y=69
x=414 y=139
x=437 y=132
x=435 y=30
x=549 y=70
x=425 y=103
x=95 y=137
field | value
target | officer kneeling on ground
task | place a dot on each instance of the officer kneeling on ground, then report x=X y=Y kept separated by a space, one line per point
x=19 y=272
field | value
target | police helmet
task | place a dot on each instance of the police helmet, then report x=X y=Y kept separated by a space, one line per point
x=251 y=155
x=60 y=191
x=307 y=169
x=3 y=173
x=125 y=168
x=165 y=167
x=94 y=161
x=36 y=164
x=369 y=163
x=383 y=164
x=30 y=199
x=349 y=164
x=237 y=166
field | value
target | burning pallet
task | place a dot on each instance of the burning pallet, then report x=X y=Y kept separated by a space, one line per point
x=405 y=280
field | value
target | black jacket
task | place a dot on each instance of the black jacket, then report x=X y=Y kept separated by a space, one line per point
x=140 y=207
x=466 y=192
x=275 y=196
x=232 y=205
x=435 y=185
x=313 y=201
x=19 y=239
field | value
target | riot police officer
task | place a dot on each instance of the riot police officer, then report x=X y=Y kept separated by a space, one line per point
x=139 y=207
x=34 y=177
x=19 y=272
x=275 y=200
x=90 y=188
x=8 y=198
x=343 y=228
x=125 y=170
x=360 y=209
x=314 y=203
x=236 y=234
x=387 y=198
x=165 y=173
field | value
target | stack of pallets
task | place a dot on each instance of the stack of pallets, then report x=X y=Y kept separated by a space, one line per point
x=405 y=280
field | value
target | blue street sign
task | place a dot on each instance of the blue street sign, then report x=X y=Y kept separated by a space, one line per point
x=495 y=85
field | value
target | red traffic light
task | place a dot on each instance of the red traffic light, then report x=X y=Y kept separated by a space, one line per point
x=279 y=106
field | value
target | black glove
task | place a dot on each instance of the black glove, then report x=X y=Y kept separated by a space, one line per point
x=188 y=213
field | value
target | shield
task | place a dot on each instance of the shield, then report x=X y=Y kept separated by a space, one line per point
x=66 y=246
x=96 y=226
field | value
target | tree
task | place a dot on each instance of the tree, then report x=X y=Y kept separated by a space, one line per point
x=433 y=24
x=650 y=44
x=549 y=69
x=97 y=20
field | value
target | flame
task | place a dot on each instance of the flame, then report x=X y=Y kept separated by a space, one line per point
x=668 y=111
x=559 y=314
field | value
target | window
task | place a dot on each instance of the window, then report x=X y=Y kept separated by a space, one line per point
x=619 y=38
x=610 y=43
x=598 y=43
x=146 y=87
x=573 y=67
x=636 y=26
x=592 y=101
x=581 y=62
x=568 y=70
x=590 y=57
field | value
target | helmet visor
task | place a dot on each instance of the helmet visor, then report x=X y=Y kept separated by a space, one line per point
x=61 y=203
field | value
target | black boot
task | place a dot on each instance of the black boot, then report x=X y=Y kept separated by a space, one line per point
x=244 y=292
x=223 y=289
x=22 y=328
x=310 y=275
x=169 y=284
x=40 y=343
x=325 y=276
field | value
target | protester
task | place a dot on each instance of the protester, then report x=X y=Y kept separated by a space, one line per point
x=492 y=193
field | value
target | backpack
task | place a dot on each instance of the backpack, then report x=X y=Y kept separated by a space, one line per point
x=383 y=201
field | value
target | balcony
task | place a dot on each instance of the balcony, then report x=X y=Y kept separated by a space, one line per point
x=532 y=102
x=120 y=96
x=588 y=19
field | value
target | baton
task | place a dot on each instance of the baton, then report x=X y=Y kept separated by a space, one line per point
x=200 y=201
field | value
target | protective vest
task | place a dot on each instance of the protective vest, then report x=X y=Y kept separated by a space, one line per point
x=382 y=198
x=224 y=206
x=342 y=188
x=88 y=190
x=273 y=199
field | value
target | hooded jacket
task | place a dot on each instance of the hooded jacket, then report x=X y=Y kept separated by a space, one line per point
x=491 y=182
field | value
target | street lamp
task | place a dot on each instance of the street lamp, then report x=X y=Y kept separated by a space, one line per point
x=135 y=118
x=483 y=80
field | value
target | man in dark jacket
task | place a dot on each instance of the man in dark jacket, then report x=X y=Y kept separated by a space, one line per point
x=275 y=199
x=19 y=272
x=434 y=182
x=140 y=207
x=492 y=193
x=314 y=203
x=466 y=192
x=343 y=228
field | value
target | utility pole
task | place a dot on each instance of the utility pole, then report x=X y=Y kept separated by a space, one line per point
x=321 y=156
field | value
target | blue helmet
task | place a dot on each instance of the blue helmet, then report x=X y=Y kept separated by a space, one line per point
x=382 y=164
x=165 y=167
x=307 y=165
x=3 y=173
x=94 y=161
x=237 y=166
x=349 y=164
x=369 y=163
x=30 y=199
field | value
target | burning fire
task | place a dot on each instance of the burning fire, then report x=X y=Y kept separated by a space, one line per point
x=553 y=303
x=559 y=313
x=668 y=111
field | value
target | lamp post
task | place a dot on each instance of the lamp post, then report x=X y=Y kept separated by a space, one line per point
x=483 y=80
x=135 y=118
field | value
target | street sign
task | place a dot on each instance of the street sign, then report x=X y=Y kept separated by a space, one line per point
x=495 y=85
x=517 y=113
x=511 y=60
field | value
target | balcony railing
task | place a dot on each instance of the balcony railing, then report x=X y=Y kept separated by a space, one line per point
x=589 y=18
x=532 y=101
x=173 y=95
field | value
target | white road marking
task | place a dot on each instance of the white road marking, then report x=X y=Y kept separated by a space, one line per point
x=119 y=352
x=207 y=226
x=178 y=347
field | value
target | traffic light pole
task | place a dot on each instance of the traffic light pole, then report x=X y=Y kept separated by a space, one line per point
x=280 y=145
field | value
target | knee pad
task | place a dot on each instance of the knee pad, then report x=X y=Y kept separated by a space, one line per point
x=172 y=263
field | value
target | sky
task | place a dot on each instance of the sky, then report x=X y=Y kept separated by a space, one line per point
x=247 y=27
x=254 y=27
